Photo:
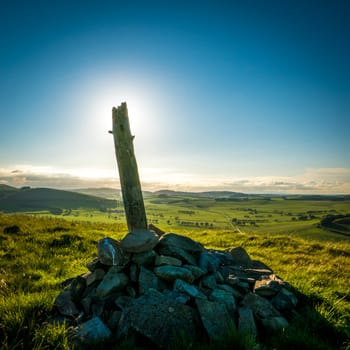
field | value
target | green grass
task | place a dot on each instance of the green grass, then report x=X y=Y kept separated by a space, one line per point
x=49 y=249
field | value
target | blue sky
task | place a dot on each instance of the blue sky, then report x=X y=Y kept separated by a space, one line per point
x=249 y=96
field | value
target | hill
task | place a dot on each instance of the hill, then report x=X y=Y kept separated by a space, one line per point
x=37 y=199
x=102 y=192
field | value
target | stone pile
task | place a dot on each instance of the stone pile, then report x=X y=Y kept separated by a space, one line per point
x=157 y=287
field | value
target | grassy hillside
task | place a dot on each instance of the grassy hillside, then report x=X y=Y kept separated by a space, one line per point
x=38 y=199
x=41 y=253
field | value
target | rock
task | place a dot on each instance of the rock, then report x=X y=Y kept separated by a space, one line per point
x=246 y=323
x=77 y=288
x=97 y=307
x=222 y=296
x=267 y=287
x=155 y=229
x=240 y=256
x=170 y=240
x=113 y=320
x=139 y=241
x=176 y=296
x=112 y=282
x=90 y=333
x=215 y=317
x=208 y=262
x=111 y=253
x=134 y=273
x=208 y=281
x=171 y=273
x=178 y=253
x=196 y=271
x=260 y=306
x=147 y=280
x=123 y=302
x=144 y=258
x=167 y=260
x=159 y=319
x=181 y=286
x=92 y=277
x=65 y=305
x=95 y=264
x=275 y=323
x=222 y=257
x=284 y=301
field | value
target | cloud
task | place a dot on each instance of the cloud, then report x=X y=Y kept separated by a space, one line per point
x=312 y=181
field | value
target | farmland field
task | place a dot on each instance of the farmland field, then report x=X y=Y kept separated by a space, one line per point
x=287 y=234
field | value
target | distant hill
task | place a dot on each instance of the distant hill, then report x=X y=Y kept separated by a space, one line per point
x=212 y=194
x=36 y=199
x=103 y=192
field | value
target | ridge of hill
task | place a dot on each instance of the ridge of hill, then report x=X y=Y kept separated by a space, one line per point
x=36 y=199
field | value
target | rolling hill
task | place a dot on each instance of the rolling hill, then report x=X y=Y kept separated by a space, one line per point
x=37 y=199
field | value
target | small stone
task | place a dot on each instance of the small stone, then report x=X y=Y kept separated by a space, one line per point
x=77 y=288
x=240 y=256
x=112 y=282
x=196 y=271
x=111 y=253
x=267 y=287
x=215 y=318
x=181 y=286
x=224 y=297
x=208 y=262
x=232 y=280
x=92 y=277
x=139 y=241
x=167 y=260
x=208 y=281
x=94 y=264
x=171 y=273
x=178 y=253
x=144 y=258
x=134 y=273
x=284 y=301
x=65 y=305
x=246 y=323
x=92 y=332
x=147 y=280
x=260 y=306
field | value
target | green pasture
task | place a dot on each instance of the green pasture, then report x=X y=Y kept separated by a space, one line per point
x=47 y=249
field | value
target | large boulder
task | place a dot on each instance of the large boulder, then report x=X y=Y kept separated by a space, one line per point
x=159 y=319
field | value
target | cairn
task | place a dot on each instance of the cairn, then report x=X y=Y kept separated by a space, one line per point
x=158 y=286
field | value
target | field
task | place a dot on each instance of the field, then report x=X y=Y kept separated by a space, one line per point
x=285 y=233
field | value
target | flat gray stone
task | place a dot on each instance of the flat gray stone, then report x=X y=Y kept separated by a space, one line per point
x=196 y=271
x=139 y=241
x=171 y=273
x=174 y=240
x=112 y=282
x=92 y=277
x=267 y=287
x=215 y=317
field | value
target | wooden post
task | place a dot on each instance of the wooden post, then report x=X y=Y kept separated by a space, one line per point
x=128 y=173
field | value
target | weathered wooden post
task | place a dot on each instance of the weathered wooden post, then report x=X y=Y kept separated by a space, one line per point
x=139 y=238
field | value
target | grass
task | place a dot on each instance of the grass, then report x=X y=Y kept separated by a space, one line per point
x=47 y=250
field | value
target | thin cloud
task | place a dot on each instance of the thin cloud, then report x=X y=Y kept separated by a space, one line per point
x=312 y=181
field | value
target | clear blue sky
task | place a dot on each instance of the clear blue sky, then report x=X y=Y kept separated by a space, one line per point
x=238 y=95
